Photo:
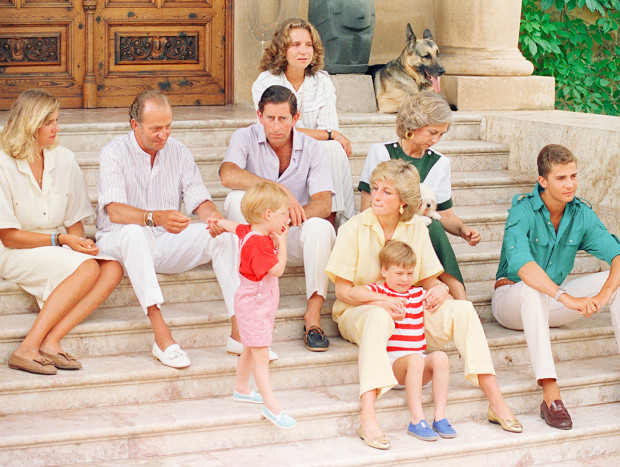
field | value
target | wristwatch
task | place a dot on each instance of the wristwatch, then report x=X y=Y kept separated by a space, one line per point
x=559 y=294
x=329 y=134
x=149 y=219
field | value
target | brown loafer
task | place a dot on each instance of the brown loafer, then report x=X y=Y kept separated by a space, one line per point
x=63 y=360
x=556 y=415
x=39 y=365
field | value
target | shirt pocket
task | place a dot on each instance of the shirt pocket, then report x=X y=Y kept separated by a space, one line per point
x=571 y=240
x=539 y=240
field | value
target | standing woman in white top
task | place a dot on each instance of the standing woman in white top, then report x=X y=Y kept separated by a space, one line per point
x=42 y=196
x=294 y=59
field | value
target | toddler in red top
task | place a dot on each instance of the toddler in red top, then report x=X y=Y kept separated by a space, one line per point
x=412 y=368
x=262 y=259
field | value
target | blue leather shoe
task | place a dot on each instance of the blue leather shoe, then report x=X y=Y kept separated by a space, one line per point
x=444 y=428
x=422 y=431
x=253 y=397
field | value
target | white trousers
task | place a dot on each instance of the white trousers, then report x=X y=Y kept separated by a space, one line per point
x=521 y=307
x=343 y=202
x=308 y=245
x=145 y=251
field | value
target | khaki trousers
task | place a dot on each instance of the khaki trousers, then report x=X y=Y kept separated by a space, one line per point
x=370 y=327
x=521 y=307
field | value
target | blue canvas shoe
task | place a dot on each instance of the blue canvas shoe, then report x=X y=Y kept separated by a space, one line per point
x=444 y=428
x=283 y=420
x=422 y=431
x=253 y=397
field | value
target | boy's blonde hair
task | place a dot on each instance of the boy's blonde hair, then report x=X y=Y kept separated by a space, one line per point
x=259 y=198
x=29 y=113
x=396 y=253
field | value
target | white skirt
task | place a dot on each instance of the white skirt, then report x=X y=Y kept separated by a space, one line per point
x=40 y=270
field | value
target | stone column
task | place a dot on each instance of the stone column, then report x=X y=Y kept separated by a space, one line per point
x=478 y=42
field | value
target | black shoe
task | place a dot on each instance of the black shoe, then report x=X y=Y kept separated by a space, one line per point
x=315 y=339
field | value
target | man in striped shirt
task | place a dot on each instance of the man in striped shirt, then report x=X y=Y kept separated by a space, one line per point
x=405 y=348
x=144 y=176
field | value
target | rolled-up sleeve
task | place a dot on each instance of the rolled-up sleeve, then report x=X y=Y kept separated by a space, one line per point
x=377 y=153
x=194 y=190
x=111 y=182
x=342 y=261
x=79 y=206
x=597 y=240
x=238 y=148
x=319 y=175
x=516 y=241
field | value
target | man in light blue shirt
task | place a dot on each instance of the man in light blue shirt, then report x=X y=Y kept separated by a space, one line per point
x=543 y=233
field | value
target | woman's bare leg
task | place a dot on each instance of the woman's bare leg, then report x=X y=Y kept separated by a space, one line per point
x=368 y=415
x=488 y=383
x=110 y=274
x=62 y=299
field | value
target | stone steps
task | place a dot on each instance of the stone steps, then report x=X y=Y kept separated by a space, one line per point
x=216 y=423
x=133 y=376
x=477 y=443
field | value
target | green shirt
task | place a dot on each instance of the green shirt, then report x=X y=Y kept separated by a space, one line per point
x=529 y=235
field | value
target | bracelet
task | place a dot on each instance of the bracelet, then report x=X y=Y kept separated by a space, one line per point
x=58 y=240
x=559 y=293
x=144 y=220
x=53 y=239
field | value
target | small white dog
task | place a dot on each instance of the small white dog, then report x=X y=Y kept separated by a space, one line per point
x=428 y=205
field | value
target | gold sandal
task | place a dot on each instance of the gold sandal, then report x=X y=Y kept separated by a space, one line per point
x=380 y=442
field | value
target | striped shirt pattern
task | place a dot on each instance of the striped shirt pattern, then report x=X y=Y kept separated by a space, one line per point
x=125 y=176
x=408 y=336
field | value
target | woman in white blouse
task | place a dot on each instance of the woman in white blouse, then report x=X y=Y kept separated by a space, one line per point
x=294 y=59
x=43 y=200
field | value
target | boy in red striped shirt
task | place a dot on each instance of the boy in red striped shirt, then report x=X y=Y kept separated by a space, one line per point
x=412 y=368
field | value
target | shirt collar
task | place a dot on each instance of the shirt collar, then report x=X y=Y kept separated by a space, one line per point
x=136 y=147
x=262 y=138
x=538 y=203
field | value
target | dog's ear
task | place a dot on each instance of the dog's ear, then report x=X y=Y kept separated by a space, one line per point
x=410 y=34
x=427 y=34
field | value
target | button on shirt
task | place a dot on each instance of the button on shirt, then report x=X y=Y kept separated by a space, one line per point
x=126 y=176
x=307 y=173
x=530 y=236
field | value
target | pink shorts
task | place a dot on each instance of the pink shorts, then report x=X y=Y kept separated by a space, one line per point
x=256 y=304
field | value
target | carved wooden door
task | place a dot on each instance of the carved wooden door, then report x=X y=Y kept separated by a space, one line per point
x=101 y=53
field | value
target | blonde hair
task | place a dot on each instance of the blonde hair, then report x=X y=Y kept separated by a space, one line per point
x=425 y=108
x=406 y=180
x=274 y=55
x=29 y=113
x=396 y=253
x=259 y=198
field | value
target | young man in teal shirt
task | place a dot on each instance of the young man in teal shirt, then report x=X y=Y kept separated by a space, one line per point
x=543 y=233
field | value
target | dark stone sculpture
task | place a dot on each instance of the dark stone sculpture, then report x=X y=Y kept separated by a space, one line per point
x=346 y=28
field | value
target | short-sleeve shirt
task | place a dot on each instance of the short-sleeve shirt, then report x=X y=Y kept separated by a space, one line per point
x=62 y=201
x=355 y=256
x=433 y=167
x=307 y=173
x=316 y=98
x=257 y=256
x=408 y=336
x=126 y=177
x=529 y=236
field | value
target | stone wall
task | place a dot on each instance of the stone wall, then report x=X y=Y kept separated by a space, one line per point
x=594 y=139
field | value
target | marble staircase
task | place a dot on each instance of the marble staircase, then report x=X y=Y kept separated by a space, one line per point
x=124 y=408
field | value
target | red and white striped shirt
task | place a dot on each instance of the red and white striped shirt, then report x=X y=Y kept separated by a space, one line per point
x=408 y=336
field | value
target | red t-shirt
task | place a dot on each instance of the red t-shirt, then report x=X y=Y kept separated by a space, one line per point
x=257 y=256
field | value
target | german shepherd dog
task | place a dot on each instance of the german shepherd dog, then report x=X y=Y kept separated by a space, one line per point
x=416 y=69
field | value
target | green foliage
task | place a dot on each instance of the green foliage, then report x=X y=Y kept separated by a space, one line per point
x=582 y=56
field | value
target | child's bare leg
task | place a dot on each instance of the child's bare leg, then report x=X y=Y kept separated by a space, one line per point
x=408 y=370
x=260 y=357
x=244 y=368
x=437 y=369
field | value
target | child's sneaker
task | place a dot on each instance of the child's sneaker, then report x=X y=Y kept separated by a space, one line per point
x=444 y=428
x=422 y=431
x=283 y=420
x=253 y=397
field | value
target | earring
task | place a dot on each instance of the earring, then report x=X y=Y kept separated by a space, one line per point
x=401 y=210
x=409 y=135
